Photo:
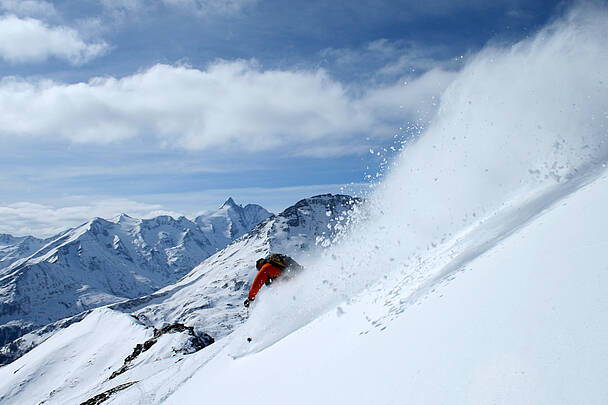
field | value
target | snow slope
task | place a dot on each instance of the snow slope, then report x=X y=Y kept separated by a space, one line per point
x=477 y=273
x=106 y=261
x=519 y=132
x=524 y=323
x=230 y=221
x=98 y=263
x=89 y=347
x=209 y=298
x=14 y=248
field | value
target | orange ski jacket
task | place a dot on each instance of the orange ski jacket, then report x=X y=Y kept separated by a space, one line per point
x=266 y=272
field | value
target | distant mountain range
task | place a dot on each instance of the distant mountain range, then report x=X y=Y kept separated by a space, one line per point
x=107 y=261
x=161 y=270
x=112 y=344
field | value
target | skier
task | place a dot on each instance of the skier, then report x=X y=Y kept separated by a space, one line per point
x=269 y=268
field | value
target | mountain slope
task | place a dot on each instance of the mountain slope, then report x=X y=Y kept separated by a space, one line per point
x=208 y=298
x=15 y=248
x=476 y=275
x=506 y=326
x=230 y=221
x=511 y=327
x=103 y=262
x=480 y=274
x=99 y=263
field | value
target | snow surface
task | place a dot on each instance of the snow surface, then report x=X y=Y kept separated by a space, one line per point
x=104 y=262
x=15 y=248
x=479 y=191
x=524 y=323
x=476 y=273
x=209 y=298
x=73 y=357
x=230 y=221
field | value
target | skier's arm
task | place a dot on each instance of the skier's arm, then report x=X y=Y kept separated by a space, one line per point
x=267 y=271
x=259 y=281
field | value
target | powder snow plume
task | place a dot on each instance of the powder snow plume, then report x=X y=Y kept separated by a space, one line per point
x=519 y=128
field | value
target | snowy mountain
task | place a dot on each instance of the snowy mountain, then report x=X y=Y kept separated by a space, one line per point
x=505 y=326
x=210 y=297
x=14 y=248
x=103 y=262
x=230 y=221
x=201 y=298
x=475 y=274
x=489 y=322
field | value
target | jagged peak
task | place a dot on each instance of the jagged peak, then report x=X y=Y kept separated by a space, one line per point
x=230 y=204
x=158 y=220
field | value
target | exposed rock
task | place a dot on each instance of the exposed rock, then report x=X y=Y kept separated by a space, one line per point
x=98 y=399
x=195 y=343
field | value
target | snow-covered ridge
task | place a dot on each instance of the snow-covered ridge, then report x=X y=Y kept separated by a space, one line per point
x=479 y=275
x=208 y=299
x=14 y=248
x=230 y=221
x=210 y=296
x=106 y=261
x=506 y=327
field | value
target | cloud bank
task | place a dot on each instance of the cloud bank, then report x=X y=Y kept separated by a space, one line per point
x=26 y=218
x=230 y=106
x=27 y=40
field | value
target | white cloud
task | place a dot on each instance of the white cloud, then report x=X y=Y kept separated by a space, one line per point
x=232 y=106
x=29 y=8
x=31 y=40
x=26 y=218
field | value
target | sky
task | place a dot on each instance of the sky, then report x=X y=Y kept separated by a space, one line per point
x=172 y=106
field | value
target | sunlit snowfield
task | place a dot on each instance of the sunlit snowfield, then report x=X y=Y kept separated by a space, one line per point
x=476 y=272
x=495 y=186
x=520 y=128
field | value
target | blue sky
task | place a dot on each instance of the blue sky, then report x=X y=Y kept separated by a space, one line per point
x=172 y=106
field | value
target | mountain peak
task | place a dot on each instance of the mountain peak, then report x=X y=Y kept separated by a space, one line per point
x=230 y=203
x=122 y=218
